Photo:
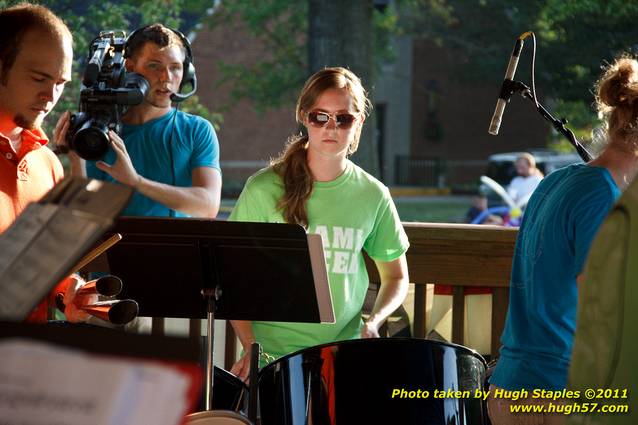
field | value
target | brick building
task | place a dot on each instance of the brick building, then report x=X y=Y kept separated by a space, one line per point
x=427 y=122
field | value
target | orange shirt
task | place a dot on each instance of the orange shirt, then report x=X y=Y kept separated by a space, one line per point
x=25 y=176
x=40 y=313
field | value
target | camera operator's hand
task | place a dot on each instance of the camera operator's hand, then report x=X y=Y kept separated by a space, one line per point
x=122 y=169
x=59 y=134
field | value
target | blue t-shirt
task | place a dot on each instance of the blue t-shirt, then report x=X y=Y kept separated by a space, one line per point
x=164 y=150
x=559 y=225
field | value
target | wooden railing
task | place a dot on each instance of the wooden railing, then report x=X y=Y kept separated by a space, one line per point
x=459 y=255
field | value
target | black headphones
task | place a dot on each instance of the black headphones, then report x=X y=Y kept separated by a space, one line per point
x=188 y=76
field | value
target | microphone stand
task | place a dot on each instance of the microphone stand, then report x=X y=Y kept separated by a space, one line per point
x=510 y=87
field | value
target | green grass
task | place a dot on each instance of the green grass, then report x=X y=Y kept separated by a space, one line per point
x=433 y=209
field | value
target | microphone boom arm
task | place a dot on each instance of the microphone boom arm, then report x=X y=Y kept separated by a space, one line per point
x=510 y=87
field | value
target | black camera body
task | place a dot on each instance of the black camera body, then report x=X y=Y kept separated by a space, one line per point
x=106 y=92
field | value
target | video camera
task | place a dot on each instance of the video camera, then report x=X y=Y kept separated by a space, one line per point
x=106 y=92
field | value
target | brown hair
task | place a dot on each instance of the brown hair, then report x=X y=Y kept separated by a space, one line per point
x=292 y=165
x=155 y=33
x=18 y=20
x=617 y=102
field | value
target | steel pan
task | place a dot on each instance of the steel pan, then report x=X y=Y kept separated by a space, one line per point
x=352 y=382
x=230 y=397
x=216 y=417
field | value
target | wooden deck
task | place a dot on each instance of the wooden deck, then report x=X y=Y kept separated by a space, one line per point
x=459 y=255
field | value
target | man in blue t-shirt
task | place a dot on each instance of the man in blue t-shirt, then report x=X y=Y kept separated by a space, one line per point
x=169 y=157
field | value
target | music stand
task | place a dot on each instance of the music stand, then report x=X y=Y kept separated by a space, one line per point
x=246 y=271
x=106 y=341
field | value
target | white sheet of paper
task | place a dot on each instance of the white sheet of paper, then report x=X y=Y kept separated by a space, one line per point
x=44 y=384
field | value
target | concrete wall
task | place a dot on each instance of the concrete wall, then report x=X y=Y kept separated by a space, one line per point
x=393 y=90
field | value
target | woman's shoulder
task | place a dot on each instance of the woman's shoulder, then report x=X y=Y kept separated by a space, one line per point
x=589 y=173
x=585 y=184
x=264 y=177
x=367 y=180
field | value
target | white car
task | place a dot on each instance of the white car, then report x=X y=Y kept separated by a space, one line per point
x=501 y=165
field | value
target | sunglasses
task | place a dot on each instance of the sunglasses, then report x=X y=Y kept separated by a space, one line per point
x=320 y=119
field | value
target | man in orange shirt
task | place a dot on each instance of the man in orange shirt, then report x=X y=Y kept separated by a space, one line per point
x=35 y=63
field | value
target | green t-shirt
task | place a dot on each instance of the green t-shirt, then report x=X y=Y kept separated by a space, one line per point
x=352 y=213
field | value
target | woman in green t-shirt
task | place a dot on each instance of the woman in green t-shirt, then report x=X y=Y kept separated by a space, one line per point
x=314 y=184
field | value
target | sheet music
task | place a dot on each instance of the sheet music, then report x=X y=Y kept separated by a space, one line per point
x=320 y=275
x=18 y=237
x=48 y=238
x=44 y=384
x=42 y=244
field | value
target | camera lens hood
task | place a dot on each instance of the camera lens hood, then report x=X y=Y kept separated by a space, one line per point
x=91 y=142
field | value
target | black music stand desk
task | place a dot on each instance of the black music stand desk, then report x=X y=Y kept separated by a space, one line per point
x=247 y=271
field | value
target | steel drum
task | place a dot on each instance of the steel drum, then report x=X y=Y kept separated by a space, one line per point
x=353 y=382
x=216 y=417
x=230 y=398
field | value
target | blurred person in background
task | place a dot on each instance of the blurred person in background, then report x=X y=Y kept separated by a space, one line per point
x=522 y=186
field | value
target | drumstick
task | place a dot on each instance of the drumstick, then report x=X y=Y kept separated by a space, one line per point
x=100 y=249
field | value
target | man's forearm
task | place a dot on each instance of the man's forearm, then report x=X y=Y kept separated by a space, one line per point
x=194 y=201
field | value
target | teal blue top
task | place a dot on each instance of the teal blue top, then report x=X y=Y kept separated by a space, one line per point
x=165 y=150
x=560 y=222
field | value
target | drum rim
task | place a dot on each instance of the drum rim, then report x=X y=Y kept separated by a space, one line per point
x=218 y=414
x=469 y=351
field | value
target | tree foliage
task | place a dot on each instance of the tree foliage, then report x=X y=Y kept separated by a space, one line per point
x=575 y=38
x=281 y=26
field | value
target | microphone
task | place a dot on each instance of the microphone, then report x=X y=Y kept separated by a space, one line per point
x=178 y=97
x=504 y=96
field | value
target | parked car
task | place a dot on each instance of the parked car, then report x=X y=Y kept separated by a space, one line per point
x=501 y=169
x=501 y=165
